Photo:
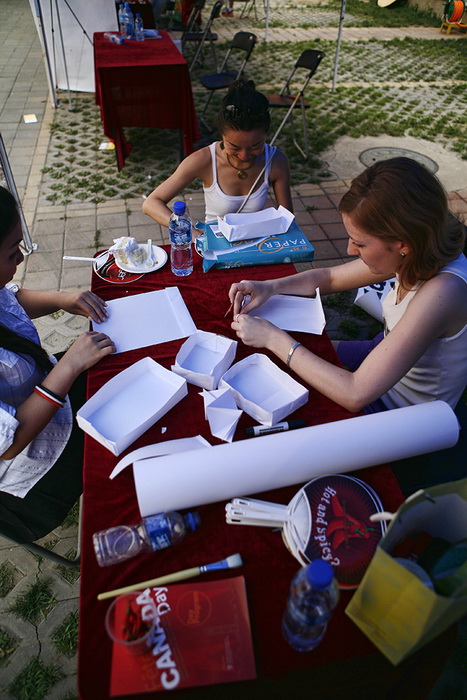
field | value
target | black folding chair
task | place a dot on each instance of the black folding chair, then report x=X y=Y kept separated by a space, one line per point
x=194 y=20
x=242 y=43
x=249 y=6
x=201 y=37
x=309 y=61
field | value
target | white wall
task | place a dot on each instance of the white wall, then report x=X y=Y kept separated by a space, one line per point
x=94 y=16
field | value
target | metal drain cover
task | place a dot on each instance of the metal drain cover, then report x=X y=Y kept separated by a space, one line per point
x=374 y=155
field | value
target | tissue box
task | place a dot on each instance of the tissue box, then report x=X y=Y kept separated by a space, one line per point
x=268 y=222
x=263 y=390
x=203 y=359
x=292 y=246
x=129 y=403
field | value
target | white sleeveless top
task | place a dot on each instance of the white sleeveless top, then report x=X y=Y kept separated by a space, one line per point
x=441 y=372
x=219 y=204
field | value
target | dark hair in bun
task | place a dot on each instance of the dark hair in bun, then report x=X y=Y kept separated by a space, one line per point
x=244 y=108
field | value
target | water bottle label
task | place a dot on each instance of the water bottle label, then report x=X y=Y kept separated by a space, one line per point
x=158 y=529
x=180 y=237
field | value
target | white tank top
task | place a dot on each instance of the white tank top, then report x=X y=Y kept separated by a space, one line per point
x=219 y=204
x=441 y=372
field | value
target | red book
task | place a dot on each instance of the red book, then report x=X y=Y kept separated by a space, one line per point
x=202 y=637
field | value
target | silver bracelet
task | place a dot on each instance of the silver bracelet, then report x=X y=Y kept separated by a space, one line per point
x=291 y=352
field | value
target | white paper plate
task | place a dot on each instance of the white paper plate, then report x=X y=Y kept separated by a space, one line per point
x=159 y=255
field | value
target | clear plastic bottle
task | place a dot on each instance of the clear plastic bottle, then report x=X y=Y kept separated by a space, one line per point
x=181 y=251
x=313 y=595
x=154 y=532
x=129 y=22
x=121 y=20
x=139 y=27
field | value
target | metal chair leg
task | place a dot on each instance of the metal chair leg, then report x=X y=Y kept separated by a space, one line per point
x=202 y=118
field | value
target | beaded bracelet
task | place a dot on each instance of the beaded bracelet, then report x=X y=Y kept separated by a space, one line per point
x=49 y=395
x=291 y=352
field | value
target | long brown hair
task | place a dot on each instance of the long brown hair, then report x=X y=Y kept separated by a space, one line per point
x=9 y=340
x=400 y=200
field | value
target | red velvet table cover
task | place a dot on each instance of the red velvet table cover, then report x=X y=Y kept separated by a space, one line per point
x=146 y=84
x=268 y=566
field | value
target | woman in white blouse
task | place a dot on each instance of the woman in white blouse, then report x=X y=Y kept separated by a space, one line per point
x=40 y=446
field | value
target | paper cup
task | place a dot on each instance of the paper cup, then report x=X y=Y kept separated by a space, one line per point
x=129 y=622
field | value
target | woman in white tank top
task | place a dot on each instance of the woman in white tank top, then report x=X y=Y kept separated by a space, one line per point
x=229 y=168
x=397 y=220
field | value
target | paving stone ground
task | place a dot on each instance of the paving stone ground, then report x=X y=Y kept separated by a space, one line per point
x=71 y=229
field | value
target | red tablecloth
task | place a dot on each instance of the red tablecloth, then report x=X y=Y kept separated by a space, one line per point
x=143 y=84
x=268 y=566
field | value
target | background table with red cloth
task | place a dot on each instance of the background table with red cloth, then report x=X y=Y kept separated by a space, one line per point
x=144 y=84
x=268 y=566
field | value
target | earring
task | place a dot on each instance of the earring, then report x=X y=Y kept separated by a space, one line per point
x=403 y=255
x=221 y=145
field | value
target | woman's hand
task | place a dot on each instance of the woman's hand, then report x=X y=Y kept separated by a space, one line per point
x=255 y=331
x=85 y=304
x=87 y=350
x=258 y=292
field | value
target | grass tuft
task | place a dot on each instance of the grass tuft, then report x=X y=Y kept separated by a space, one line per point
x=7 y=646
x=35 y=603
x=7 y=579
x=65 y=639
x=35 y=681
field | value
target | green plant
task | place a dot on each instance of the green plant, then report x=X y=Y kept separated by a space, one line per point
x=7 y=646
x=65 y=638
x=7 y=578
x=36 y=602
x=35 y=681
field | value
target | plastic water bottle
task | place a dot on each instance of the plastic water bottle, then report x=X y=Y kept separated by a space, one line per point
x=121 y=20
x=313 y=595
x=114 y=38
x=181 y=251
x=154 y=532
x=139 y=27
x=129 y=22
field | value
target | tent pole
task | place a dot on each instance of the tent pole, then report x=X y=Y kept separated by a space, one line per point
x=70 y=104
x=267 y=21
x=45 y=48
x=338 y=45
x=27 y=244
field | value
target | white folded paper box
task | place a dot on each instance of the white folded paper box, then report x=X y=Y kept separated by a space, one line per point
x=263 y=390
x=204 y=357
x=268 y=222
x=129 y=403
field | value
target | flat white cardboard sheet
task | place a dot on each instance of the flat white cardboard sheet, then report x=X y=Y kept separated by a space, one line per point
x=129 y=403
x=293 y=313
x=263 y=390
x=268 y=222
x=147 y=319
x=204 y=357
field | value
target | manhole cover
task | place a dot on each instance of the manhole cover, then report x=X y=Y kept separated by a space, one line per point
x=374 y=155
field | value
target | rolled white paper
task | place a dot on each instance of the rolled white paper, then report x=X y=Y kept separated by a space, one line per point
x=242 y=468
